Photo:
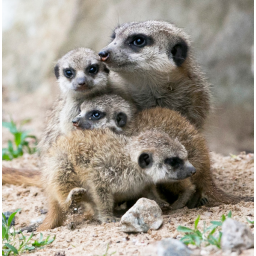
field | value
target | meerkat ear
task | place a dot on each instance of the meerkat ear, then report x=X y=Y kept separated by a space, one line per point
x=56 y=71
x=145 y=160
x=178 y=52
x=121 y=119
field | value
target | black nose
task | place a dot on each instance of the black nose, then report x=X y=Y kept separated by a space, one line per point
x=104 y=55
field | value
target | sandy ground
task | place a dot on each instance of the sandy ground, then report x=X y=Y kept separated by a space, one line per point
x=234 y=174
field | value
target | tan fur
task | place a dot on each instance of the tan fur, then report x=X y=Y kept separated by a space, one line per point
x=106 y=166
x=20 y=176
x=150 y=74
x=72 y=93
x=66 y=107
x=176 y=126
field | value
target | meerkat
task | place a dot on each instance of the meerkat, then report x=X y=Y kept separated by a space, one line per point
x=186 y=192
x=177 y=126
x=97 y=112
x=104 y=168
x=153 y=62
x=105 y=111
x=80 y=74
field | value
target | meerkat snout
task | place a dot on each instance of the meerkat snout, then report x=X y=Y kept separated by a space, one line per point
x=104 y=55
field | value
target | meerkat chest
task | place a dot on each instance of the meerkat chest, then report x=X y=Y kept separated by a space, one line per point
x=69 y=111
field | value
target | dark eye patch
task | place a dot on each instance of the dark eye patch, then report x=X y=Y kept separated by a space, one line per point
x=95 y=115
x=93 y=69
x=69 y=72
x=174 y=161
x=138 y=41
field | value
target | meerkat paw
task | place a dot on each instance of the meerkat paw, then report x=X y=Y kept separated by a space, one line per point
x=108 y=219
x=76 y=195
x=163 y=205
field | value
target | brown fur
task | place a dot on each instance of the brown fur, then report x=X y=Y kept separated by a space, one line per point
x=162 y=73
x=176 y=126
x=107 y=168
x=20 y=176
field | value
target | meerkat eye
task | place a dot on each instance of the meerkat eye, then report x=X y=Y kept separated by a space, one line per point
x=93 y=69
x=95 y=115
x=173 y=161
x=69 y=73
x=139 y=41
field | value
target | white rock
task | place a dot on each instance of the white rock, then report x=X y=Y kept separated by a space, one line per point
x=144 y=215
x=236 y=236
x=172 y=247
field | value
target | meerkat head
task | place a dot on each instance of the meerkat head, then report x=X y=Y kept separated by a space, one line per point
x=162 y=158
x=81 y=71
x=105 y=111
x=149 y=45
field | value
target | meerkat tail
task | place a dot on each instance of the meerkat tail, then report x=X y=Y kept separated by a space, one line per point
x=19 y=176
x=219 y=195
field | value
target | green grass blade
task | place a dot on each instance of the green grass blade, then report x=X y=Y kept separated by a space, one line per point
x=229 y=214
x=11 y=217
x=217 y=223
x=4 y=232
x=196 y=221
x=12 y=248
x=250 y=221
x=184 y=229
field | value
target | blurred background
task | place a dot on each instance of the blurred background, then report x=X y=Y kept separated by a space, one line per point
x=37 y=33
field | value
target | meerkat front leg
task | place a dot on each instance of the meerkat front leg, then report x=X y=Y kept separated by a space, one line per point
x=151 y=193
x=184 y=196
x=75 y=197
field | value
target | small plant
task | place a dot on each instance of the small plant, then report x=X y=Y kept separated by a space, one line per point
x=208 y=236
x=15 y=243
x=21 y=141
x=250 y=221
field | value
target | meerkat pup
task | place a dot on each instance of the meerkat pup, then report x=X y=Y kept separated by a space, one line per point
x=80 y=74
x=105 y=111
x=105 y=168
x=184 y=192
x=152 y=61
x=177 y=126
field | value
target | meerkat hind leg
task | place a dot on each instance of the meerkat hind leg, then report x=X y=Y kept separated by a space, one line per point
x=54 y=218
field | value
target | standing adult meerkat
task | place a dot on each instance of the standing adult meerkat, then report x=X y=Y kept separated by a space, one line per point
x=104 y=168
x=177 y=126
x=152 y=61
x=80 y=74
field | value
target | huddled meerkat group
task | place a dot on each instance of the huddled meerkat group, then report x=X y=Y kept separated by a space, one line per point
x=128 y=124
